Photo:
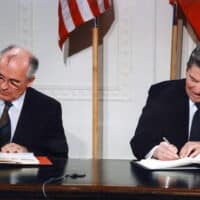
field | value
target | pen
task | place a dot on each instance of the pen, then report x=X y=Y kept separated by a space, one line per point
x=166 y=140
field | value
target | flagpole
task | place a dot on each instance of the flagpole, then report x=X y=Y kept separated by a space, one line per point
x=96 y=146
x=176 y=43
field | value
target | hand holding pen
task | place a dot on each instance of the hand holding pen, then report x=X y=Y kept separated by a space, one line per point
x=166 y=151
x=166 y=140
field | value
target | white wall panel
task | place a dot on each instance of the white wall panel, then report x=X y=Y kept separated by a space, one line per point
x=136 y=54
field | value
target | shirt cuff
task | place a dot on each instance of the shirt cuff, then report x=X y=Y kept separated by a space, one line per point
x=150 y=154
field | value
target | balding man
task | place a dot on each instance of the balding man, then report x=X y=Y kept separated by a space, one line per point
x=35 y=120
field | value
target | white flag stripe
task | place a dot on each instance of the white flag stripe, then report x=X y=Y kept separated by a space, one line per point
x=67 y=18
x=85 y=10
x=101 y=6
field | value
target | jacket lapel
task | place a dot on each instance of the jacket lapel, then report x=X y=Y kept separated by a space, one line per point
x=23 y=125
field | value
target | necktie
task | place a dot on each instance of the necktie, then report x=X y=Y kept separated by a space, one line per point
x=5 y=126
x=195 y=127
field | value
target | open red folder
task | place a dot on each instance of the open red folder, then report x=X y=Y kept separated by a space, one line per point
x=43 y=160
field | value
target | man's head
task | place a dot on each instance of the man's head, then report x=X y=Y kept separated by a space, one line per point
x=17 y=69
x=193 y=75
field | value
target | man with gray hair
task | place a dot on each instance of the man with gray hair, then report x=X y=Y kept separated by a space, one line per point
x=30 y=121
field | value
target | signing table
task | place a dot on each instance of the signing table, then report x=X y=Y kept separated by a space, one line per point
x=100 y=179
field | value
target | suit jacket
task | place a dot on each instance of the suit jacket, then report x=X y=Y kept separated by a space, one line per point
x=40 y=126
x=166 y=114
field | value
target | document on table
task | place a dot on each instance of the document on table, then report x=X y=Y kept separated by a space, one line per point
x=154 y=164
x=18 y=158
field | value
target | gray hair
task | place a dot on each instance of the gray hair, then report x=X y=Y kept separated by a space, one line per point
x=33 y=61
x=33 y=66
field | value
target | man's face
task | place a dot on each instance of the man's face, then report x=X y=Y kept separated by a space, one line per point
x=193 y=83
x=13 y=79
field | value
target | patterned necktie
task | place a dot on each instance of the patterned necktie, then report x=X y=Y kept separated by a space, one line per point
x=195 y=127
x=5 y=126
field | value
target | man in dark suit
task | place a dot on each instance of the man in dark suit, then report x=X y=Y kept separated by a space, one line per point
x=168 y=114
x=35 y=118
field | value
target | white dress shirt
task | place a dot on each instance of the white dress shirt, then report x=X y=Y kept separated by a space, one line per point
x=13 y=112
x=192 y=110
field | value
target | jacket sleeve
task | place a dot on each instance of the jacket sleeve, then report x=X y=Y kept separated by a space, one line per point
x=51 y=136
x=56 y=142
x=148 y=132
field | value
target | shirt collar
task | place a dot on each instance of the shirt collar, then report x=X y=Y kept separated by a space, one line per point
x=17 y=103
x=192 y=104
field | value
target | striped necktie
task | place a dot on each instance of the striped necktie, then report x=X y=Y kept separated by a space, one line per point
x=5 y=125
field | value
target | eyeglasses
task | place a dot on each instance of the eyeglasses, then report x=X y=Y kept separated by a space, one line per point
x=13 y=83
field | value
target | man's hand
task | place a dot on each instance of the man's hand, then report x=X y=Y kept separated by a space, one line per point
x=190 y=149
x=13 y=148
x=166 y=151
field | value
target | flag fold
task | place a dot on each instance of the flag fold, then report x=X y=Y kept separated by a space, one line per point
x=74 y=13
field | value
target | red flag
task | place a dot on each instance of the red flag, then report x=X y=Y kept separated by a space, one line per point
x=191 y=10
x=73 y=13
x=172 y=1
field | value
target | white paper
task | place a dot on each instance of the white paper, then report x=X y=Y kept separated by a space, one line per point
x=18 y=158
x=159 y=164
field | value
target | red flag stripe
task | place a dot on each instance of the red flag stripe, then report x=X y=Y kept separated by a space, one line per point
x=85 y=10
x=75 y=13
x=172 y=1
x=94 y=7
x=107 y=4
x=63 y=33
x=101 y=6
x=66 y=14
x=191 y=10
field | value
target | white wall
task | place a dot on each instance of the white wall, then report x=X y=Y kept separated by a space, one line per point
x=136 y=54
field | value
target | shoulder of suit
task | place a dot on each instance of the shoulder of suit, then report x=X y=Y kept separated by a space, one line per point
x=171 y=87
x=33 y=93
x=169 y=84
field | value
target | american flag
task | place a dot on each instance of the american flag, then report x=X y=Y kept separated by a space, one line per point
x=73 y=13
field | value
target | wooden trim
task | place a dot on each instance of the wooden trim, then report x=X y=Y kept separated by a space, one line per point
x=176 y=47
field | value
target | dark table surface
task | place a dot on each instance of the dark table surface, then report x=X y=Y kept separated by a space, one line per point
x=102 y=176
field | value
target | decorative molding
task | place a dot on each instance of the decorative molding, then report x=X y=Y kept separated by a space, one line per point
x=124 y=50
x=63 y=92
x=25 y=23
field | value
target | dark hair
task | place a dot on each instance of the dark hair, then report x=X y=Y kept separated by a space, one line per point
x=194 y=58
